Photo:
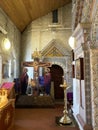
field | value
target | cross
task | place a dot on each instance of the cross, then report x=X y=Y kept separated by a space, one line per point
x=36 y=65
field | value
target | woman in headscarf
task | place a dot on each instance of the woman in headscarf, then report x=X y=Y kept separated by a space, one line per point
x=47 y=81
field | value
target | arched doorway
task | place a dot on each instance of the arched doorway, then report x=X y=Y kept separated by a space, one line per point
x=56 y=77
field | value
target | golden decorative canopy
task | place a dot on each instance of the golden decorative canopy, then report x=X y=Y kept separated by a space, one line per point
x=36 y=55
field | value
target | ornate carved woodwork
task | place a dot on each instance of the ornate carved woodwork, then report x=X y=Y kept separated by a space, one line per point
x=7 y=115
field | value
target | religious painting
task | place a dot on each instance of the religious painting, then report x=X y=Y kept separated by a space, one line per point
x=72 y=55
x=5 y=70
x=79 y=69
x=73 y=71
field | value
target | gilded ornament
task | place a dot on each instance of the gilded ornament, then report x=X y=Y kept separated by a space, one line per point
x=7 y=118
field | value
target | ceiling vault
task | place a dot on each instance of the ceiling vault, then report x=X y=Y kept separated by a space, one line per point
x=23 y=12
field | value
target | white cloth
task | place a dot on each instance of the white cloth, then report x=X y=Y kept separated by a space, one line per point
x=29 y=90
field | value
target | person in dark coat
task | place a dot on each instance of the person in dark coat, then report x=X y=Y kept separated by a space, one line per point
x=24 y=81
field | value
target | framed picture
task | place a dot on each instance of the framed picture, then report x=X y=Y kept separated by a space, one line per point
x=79 y=65
x=72 y=55
x=5 y=70
x=73 y=71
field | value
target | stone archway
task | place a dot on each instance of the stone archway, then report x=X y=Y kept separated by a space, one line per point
x=56 y=79
x=58 y=54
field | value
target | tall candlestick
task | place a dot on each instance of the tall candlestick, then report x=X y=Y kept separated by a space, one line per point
x=65 y=118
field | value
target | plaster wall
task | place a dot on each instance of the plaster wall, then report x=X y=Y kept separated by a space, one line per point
x=81 y=86
x=42 y=31
x=94 y=86
x=88 y=14
x=12 y=57
x=79 y=104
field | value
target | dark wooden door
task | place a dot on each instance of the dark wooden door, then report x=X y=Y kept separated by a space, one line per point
x=56 y=75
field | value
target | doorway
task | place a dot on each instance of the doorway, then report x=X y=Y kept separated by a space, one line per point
x=56 y=78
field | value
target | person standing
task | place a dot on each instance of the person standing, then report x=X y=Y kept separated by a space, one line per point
x=24 y=81
x=47 y=81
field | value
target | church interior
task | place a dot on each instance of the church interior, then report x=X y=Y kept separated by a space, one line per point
x=49 y=64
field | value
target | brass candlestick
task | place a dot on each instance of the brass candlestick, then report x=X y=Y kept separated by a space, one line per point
x=64 y=120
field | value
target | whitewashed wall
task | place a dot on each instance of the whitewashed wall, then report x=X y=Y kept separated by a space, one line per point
x=12 y=57
x=41 y=32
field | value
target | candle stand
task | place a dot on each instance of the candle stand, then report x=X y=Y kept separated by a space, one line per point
x=65 y=120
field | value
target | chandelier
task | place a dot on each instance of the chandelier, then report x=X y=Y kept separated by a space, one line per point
x=36 y=55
